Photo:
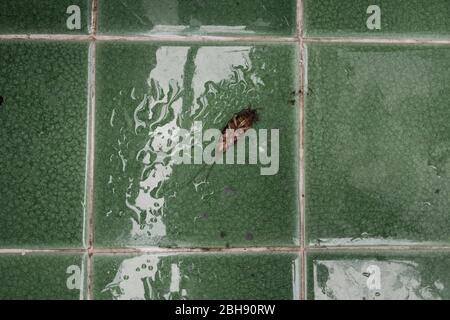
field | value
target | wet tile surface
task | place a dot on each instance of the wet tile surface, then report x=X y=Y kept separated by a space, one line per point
x=44 y=16
x=43 y=89
x=196 y=276
x=400 y=18
x=42 y=276
x=377 y=144
x=378 y=276
x=264 y=17
x=146 y=93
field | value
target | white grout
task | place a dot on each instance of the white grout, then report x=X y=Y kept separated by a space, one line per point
x=206 y=250
x=91 y=149
x=149 y=37
x=374 y=40
x=46 y=250
x=226 y=39
x=160 y=250
x=195 y=38
x=300 y=151
x=48 y=37
x=153 y=250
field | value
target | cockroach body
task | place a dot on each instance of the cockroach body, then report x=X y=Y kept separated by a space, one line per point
x=236 y=127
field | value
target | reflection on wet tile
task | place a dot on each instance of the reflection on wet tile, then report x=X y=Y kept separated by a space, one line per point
x=378 y=276
x=266 y=17
x=43 y=86
x=42 y=276
x=44 y=16
x=146 y=96
x=367 y=18
x=377 y=144
x=196 y=276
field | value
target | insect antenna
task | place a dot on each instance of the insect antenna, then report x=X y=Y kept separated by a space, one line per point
x=194 y=177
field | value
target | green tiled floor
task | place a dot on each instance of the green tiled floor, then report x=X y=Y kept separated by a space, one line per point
x=378 y=276
x=94 y=94
x=141 y=197
x=377 y=144
x=42 y=276
x=43 y=143
x=272 y=17
x=196 y=276
x=44 y=16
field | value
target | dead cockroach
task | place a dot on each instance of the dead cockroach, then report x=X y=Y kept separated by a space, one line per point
x=235 y=128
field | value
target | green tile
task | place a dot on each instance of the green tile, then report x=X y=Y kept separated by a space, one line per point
x=43 y=86
x=196 y=276
x=145 y=93
x=377 y=144
x=264 y=17
x=42 y=276
x=399 y=18
x=44 y=16
x=378 y=275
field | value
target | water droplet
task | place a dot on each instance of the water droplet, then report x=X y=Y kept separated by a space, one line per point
x=125 y=277
x=138 y=269
x=144 y=266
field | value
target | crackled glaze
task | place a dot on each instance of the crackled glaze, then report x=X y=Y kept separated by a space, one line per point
x=146 y=93
x=196 y=276
x=378 y=276
x=43 y=143
x=377 y=136
x=256 y=17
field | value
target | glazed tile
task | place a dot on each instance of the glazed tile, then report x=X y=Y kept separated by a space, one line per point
x=148 y=92
x=377 y=133
x=42 y=276
x=224 y=17
x=43 y=89
x=196 y=276
x=383 y=18
x=44 y=16
x=378 y=276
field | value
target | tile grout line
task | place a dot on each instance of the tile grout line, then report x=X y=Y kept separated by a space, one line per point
x=150 y=37
x=301 y=146
x=374 y=40
x=162 y=250
x=225 y=39
x=91 y=149
x=197 y=38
